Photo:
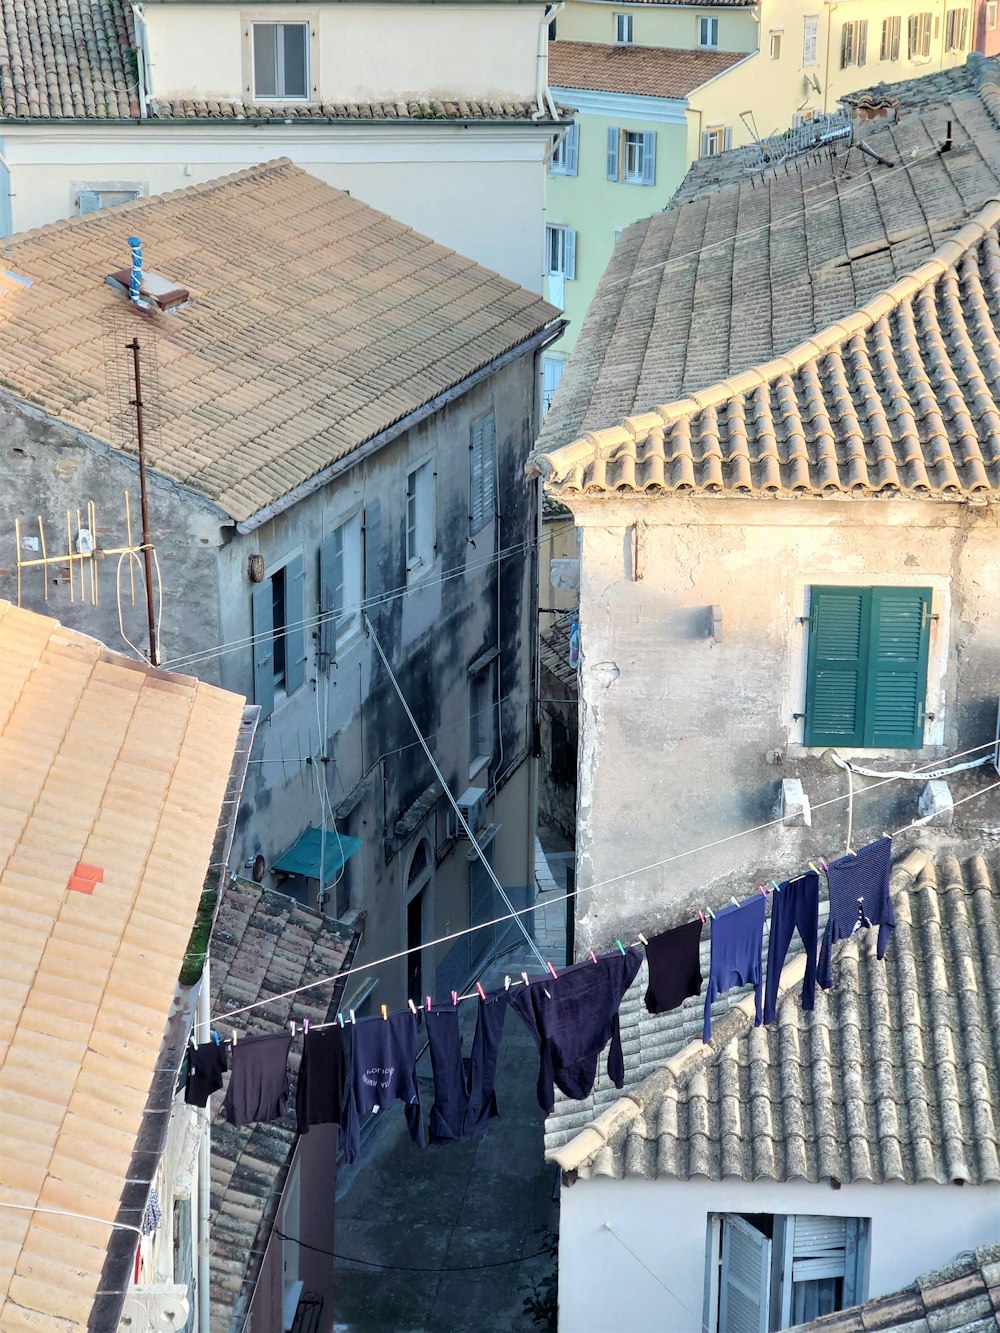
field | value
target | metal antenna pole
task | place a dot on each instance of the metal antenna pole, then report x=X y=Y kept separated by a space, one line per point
x=147 y=549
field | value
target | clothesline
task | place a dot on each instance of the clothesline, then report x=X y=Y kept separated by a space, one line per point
x=614 y=879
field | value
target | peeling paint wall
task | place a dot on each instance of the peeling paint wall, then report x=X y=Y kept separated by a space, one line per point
x=694 y=654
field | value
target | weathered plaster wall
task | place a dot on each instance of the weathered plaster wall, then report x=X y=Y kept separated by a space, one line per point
x=685 y=739
x=45 y=469
x=665 y=1225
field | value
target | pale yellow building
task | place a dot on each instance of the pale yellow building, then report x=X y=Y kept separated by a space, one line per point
x=658 y=84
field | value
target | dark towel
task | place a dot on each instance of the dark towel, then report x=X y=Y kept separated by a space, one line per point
x=322 y=1084
x=674 y=962
x=737 y=943
x=206 y=1065
x=258 y=1085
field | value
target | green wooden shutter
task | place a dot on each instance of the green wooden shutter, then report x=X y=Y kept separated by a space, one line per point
x=837 y=668
x=897 y=676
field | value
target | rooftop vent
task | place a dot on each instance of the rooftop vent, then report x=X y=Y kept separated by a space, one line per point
x=145 y=289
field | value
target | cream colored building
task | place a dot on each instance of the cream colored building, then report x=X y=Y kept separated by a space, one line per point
x=437 y=114
x=658 y=85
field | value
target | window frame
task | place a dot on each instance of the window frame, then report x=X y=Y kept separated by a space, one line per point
x=620 y=143
x=919 y=34
x=854 y=43
x=624 y=23
x=271 y=685
x=565 y=158
x=708 y=26
x=774 y=42
x=482 y=726
x=711 y=132
x=420 y=520
x=564 y=238
x=956 y=29
x=482 y=472
x=279 y=59
x=892 y=30
x=341 y=579
x=79 y=190
x=810 y=41
x=553 y=368
x=992 y=15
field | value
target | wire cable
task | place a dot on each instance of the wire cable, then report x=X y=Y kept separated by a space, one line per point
x=655 y=1276
x=573 y=893
x=412 y=1268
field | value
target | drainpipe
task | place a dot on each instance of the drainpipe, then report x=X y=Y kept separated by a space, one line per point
x=543 y=97
x=204 y=1165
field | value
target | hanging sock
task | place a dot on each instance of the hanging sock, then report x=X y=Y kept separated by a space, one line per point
x=321 y=1090
x=464 y=1090
x=206 y=1065
x=859 y=895
x=572 y=1017
x=737 y=943
x=796 y=907
x=258 y=1085
x=674 y=962
x=383 y=1068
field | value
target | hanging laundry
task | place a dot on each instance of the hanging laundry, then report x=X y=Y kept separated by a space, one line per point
x=794 y=907
x=674 y=962
x=258 y=1085
x=737 y=943
x=206 y=1065
x=572 y=1017
x=464 y=1089
x=321 y=1089
x=383 y=1068
x=152 y=1214
x=859 y=897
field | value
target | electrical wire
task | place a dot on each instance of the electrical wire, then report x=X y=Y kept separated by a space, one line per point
x=411 y=1268
x=66 y=1212
x=589 y=888
x=655 y=1276
x=367 y=604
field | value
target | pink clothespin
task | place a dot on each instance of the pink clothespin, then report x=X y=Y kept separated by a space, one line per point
x=701 y=917
x=480 y=992
x=762 y=891
x=552 y=970
x=305 y=1025
x=593 y=956
x=427 y=1004
x=454 y=997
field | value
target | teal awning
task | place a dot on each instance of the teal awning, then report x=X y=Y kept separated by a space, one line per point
x=303 y=857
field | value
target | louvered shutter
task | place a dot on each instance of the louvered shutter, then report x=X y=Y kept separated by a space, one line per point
x=88 y=201
x=569 y=254
x=613 y=137
x=897 y=678
x=648 y=157
x=862 y=41
x=572 y=151
x=727 y=138
x=295 y=632
x=837 y=667
x=819 y=1247
x=744 y=1297
x=263 y=647
x=327 y=583
x=911 y=36
x=373 y=560
x=482 y=477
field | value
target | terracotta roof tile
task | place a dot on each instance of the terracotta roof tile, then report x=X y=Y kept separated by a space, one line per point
x=231 y=243
x=72 y=1009
x=649 y=71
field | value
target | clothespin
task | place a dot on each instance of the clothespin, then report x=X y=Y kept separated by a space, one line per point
x=454 y=997
x=194 y=1044
x=734 y=902
x=593 y=956
x=762 y=890
x=413 y=1007
x=824 y=864
x=353 y=1020
x=480 y=992
x=524 y=977
x=710 y=913
x=305 y=1025
x=776 y=886
x=812 y=867
x=215 y=1036
x=385 y=1013
x=642 y=939
x=235 y=1035
x=701 y=917
x=553 y=971
x=340 y=1018
x=427 y=1003
x=506 y=983
x=291 y=1024
x=621 y=947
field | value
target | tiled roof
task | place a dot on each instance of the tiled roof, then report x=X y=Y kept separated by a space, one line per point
x=112 y=774
x=648 y=71
x=75 y=59
x=553 y=648
x=962 y=1297
x=263 y=944
x=891 y=1077
x=901 y=396
x=735 y=278
x=316 y=323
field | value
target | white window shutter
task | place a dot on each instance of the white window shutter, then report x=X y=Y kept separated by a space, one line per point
x=476 y=519
x=649 y=157
x=573 y=149
x=819 y=1247
x=706 y=143
x=263 y=647
x=88 y=201
x=745 y=1280
x=727 y=138
x=569 y=263
x=613 y=137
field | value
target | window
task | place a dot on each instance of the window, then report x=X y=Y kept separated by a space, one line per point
x=866 y=672
x=776 y=35
x=91 y=198
x=716 y=139
x=279 y=641
x=420 y=519
x=918 y=35
x=340 y=587
x=560 y=251
x=991 y=13
x=956 y=29
x=623 y=29
x=810 y=40
x=776 y=1272
x=280 y=60
x=482 y=473
x=480 y=718
x=854 y=43
x=566 y=153
x=708 y=32
x=552 y=369
x=804 y=116
x=889 y=49
x=631 y=156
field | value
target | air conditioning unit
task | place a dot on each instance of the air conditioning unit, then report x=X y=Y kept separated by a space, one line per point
x=472 y=804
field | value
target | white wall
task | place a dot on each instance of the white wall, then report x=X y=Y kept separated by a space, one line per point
x=602 y=1286
x=360 y=53
x=480 y=191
